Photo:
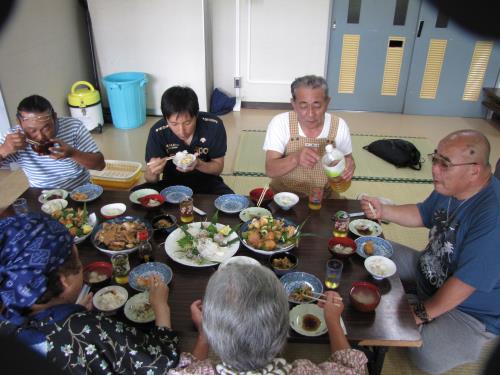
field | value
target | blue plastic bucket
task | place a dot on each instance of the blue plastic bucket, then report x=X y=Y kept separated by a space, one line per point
x=127 y=98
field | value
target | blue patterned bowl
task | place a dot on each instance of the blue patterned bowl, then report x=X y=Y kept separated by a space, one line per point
x=146 y=270
x=381 y=247
x=294 y=280
x=176 y=193
x=90 y=190
x=231 y=203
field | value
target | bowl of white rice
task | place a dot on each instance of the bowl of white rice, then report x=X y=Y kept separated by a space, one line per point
x=110 y=298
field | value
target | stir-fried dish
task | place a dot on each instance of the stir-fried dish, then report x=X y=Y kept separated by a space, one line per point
x=268 y=233
x=301 y=294
x=76 y=221
x=120 y=236
x=204 y=242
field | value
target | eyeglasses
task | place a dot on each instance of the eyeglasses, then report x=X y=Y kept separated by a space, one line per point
x=35 y=118
x=444 y=163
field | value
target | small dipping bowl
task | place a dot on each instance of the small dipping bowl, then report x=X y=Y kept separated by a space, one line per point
x=97 y=274
x=364 y=296
x=161 y=223
x=286 y=200
x=152 y=200
x=344 y=242
x=112 y=210
x=280 y=271
x=255 y=195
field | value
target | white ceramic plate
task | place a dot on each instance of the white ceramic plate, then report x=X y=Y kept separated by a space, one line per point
x=135 y=195
x=46 y=194
x=375 y=228
x=251 y=212
x=175 y=252
x=297 y=316
x=136 y=304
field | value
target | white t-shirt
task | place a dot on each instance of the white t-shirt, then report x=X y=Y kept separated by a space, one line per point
x=278 y=134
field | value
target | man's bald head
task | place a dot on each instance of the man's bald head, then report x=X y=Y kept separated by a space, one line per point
x=473 y=145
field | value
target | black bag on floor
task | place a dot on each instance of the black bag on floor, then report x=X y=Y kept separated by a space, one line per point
x=398 y=152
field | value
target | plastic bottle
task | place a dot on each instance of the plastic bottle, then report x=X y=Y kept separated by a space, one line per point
x=334 y=164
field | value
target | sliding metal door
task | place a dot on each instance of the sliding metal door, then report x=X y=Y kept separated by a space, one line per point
x=371 y=42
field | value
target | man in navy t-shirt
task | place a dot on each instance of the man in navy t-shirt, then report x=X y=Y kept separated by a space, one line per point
x=457 y=277
x=184 y=128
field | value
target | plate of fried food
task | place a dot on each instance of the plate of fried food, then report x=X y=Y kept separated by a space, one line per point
x=269 y=235
x=78 y=222
x=120 y=235
x=365 y=227
x=299 y=286
x=140 y=277
x=86 y=193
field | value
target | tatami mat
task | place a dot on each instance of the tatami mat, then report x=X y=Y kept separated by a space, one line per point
x=250 y=159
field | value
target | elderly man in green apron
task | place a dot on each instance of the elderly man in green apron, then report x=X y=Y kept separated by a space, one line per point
x=295 y=141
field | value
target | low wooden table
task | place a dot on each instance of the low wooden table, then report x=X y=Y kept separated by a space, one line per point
x=391 y=325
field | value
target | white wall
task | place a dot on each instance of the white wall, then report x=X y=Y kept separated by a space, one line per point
x=162 y=38
x=43 y=50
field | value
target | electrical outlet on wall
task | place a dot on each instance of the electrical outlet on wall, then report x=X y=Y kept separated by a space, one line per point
x=237 y=82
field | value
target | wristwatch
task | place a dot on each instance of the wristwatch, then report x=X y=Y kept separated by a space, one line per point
x=421 y=313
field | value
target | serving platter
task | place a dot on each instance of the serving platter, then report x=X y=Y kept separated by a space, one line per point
x=179 y=255
x=280 y=248
x=119 y=220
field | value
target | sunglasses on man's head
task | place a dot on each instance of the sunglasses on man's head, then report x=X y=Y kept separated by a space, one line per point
x=445 y=163
x=34 y=118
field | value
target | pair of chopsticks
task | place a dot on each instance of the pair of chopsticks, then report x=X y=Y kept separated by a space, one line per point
x=262 y=194
x=319 y=295
x=373 y=213
x=166 y=159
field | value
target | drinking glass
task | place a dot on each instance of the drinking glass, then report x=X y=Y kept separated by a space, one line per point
x=333 y=273
x=121 y=268
x=315 y=197
x=20 y=206
x=186 y=210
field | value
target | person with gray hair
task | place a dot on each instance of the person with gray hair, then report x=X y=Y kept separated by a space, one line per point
x=295 y=141
x=456 y=279
x=244 y=320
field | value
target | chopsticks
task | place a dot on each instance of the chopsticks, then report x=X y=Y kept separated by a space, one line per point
x=262 y=194
x=373 y=213
x=166 y=159
x=319 y=295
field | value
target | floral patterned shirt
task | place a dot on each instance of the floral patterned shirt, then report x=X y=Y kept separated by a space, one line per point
x=88 y=342
x=344 y=362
